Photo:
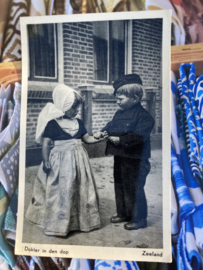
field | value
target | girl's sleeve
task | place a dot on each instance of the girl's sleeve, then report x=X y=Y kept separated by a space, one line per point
x=50 y=130
x=83 y=130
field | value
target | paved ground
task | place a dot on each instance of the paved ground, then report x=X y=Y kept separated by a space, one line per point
x=112 y=235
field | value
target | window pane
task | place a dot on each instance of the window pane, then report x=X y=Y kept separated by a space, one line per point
x=117 y=49
x=100 y=39
x=42 y=45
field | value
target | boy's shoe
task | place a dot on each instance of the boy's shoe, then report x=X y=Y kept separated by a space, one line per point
x=118 y=219
x=136 y=225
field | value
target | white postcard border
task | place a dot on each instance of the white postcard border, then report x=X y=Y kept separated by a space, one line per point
x=93 y=252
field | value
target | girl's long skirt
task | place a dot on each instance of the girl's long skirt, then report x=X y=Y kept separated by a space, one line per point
x=65 y=199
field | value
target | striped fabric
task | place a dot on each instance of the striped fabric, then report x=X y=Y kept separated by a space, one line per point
x=79 y=264
x=186 y=182
x=186 y=205
x=91 y=6
x=10 y=108
x=189 y=215
x=174 y=111
x=114 y=5
x=178 y=28
x=198 y=123
x=10 y=134
x=3 y=121
x=12 y=42
x=9 y=151
x=37 y=8
x=41 y=7
x=193 y=137
x=188 y=256
x=49 y=6
x=59 y=7
x=3 y=19
x=5 y=249
x=68 y=8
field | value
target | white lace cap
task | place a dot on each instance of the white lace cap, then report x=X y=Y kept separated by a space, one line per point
x=63 y=97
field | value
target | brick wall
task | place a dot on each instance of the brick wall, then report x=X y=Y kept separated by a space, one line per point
x=36 y=102
x=146 y=57
x=102 y=113
x=78 y=53
x=33 y=110
x=146 y=51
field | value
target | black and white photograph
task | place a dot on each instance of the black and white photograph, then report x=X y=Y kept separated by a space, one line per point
x=95 y=137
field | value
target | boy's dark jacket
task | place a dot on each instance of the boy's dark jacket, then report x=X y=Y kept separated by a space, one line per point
x=133 y=127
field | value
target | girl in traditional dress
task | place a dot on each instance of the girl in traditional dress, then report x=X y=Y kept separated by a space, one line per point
x=64 y=194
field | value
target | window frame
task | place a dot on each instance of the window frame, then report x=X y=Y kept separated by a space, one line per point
x=46 y=81
x=128 y=52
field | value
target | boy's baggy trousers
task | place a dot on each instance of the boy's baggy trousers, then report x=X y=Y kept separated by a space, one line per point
x=130 y=178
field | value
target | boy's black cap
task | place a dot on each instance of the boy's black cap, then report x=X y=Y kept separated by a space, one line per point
x=126 y=79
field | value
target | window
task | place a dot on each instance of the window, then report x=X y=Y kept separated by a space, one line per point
x=117 y=49
x=43 y=52
x=110 y=50
x=101 y=50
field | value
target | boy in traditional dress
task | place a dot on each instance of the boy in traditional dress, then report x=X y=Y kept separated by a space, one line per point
x=129 y=142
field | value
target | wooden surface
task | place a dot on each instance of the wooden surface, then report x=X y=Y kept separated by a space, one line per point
x=10 y=72
x=186 y=54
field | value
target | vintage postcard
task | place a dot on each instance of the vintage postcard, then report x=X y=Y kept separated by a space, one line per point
x=95 y=137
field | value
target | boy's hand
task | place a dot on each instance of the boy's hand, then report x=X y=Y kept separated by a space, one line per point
x=104 y=135
x=114 y=140
x=46 y=166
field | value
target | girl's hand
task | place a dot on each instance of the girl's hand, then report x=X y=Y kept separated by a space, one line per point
x=114 y=140
x=46 y=166
x=100 y=135
x=97 y=135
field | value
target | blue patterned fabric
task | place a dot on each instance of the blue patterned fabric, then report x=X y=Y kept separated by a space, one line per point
x=115 y=265
x=187 y=102
x=187 y=251
x=198 y=95
x=186 y=165
x=194 y=164
x=186 y=205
